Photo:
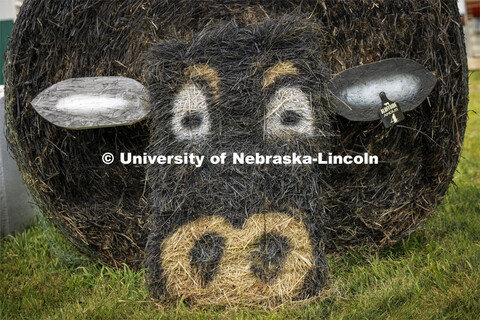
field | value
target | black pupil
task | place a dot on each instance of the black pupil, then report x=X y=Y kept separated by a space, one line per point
x=291 y=118
x=192 y=120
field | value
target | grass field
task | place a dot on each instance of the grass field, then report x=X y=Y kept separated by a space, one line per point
x=435 y=274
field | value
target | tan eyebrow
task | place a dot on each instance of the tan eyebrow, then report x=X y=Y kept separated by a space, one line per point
x=286 y=68
x=206 y=72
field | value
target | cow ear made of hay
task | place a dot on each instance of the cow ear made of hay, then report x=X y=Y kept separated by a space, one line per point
x=95 y=102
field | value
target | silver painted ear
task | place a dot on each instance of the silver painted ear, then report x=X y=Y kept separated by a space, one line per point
x=355 y=92
x=84 y=103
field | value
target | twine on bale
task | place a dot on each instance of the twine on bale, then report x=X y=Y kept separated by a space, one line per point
x=103 y=209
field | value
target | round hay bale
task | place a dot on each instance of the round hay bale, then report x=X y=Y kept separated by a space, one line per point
x=103 y=209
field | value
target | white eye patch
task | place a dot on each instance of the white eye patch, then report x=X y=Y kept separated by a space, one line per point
x=190 y=120
x=289 y=112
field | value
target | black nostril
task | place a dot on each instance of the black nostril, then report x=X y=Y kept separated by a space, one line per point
x=206 y=254
x=270 y=256
x=290 y=118
x=192 y=120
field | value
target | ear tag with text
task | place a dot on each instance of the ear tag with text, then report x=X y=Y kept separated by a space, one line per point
x=390 y=112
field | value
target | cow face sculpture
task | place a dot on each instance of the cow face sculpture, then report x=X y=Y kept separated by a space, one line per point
x=238 y=233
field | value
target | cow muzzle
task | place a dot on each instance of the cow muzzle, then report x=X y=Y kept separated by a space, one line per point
x=214 y=263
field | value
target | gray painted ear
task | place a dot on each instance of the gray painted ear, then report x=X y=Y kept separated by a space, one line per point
x=84 y=103
x=355 y=92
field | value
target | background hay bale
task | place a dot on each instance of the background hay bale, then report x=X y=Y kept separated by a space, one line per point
x=102 y=209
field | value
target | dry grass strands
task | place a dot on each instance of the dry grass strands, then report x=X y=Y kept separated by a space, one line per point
x=284 y=68
x=207 y=73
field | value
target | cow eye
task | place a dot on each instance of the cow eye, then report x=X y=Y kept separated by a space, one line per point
x=289 y=112
x=190 y=119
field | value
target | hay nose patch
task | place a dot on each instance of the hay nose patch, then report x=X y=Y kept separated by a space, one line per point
x=211 y=262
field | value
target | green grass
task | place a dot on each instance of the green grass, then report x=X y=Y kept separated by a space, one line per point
x=432 y=275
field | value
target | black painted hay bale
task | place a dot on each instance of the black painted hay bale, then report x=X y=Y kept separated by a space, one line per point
x=102 y=209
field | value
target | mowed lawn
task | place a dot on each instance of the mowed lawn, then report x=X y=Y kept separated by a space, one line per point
x=435 y=274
